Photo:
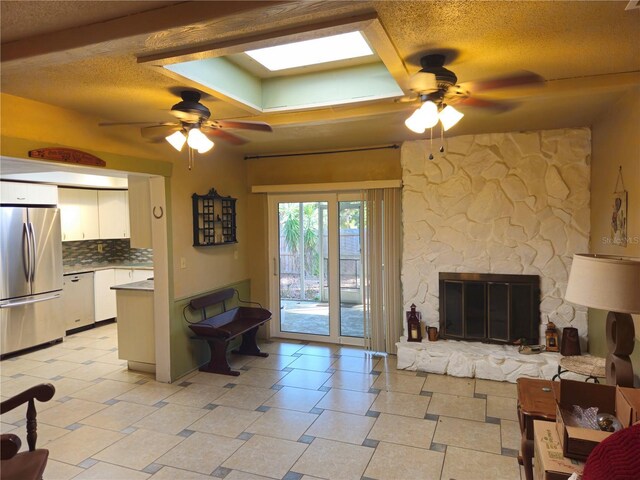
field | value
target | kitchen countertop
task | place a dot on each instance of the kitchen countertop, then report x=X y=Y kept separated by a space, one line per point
x=144 y=285
x=71 y=269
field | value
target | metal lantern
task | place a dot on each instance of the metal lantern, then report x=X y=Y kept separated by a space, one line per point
x=414 y=332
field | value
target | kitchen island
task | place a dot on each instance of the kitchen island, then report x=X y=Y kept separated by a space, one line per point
x=136 y=331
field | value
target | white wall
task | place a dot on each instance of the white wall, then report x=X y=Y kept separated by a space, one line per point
x=514 y=203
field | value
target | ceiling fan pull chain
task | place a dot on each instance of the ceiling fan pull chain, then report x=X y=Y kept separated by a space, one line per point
x=190 y=157
x=441 y=138
x=431 y=143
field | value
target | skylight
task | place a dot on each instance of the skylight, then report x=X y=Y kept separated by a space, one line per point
x=312 y=52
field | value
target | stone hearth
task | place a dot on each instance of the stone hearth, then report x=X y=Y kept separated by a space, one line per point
x=481 y=360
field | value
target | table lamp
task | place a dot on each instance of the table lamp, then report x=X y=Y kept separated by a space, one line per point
x=610 y=283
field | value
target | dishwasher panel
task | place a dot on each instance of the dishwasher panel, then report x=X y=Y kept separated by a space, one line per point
x=77 y=300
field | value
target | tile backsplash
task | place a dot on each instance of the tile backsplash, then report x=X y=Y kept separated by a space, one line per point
x=86 y=252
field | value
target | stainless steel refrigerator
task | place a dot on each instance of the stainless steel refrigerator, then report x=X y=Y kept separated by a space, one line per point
x=31 y=281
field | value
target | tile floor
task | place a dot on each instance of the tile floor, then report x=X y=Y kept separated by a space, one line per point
x=305 y=412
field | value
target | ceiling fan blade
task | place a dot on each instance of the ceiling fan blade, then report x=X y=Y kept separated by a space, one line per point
x=489 y=104
x=512 y=80
x=258 y=126
x=224 y=135
x=411 y=98
x=118 y=124
x=159 y=131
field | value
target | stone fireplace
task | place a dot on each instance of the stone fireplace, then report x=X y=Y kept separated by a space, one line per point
x=508 y=203
x=494 y=308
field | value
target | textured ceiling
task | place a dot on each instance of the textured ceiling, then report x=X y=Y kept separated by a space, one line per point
x=23 y=19
x=83 y=56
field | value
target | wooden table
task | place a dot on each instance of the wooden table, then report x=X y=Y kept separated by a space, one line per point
x=536 y=401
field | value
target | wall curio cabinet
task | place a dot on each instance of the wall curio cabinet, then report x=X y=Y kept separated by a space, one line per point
x=214 y=219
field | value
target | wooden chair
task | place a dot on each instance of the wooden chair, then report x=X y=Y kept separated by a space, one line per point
x=30 y=464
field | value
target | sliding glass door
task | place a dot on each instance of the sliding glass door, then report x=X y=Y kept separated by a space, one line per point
x=350 y=252
x=316 y=267
x=303 y=283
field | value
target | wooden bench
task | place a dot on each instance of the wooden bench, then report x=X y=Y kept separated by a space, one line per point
x=218 y=330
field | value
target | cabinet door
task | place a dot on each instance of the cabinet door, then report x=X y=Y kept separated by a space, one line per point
x=105 y=298
x=124 y=275
x=28 y=193
x=42 y=194
x=139 y=275
x=113 y=214
x=78 y=214
x=12 y=192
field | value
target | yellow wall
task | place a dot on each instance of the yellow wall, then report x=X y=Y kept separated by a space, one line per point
x=208 y=268
x=40 y=123
x=615 y=142
x=381 y=164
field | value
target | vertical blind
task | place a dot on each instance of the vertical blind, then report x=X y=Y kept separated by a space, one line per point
x=381 y=269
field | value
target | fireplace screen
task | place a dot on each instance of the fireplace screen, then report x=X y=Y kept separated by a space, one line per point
x=489 y=307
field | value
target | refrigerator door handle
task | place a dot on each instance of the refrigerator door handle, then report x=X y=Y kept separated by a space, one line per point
x=29 y=301
x=34 y=250
x=26 y=252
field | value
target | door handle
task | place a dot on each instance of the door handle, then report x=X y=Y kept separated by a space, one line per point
x=75 y=280
x=26 y=251
x=34 y=250
x=30 y=301
x=275 y=272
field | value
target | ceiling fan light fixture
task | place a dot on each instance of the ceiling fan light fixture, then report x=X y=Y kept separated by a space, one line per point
x=206 y=146
x=424 y=117
x=196 y=139
x=428 y=114
x=449 y=116
x=177 y=140
x=414 y=123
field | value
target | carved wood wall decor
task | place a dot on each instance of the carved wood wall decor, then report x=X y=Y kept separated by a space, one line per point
x=67 y=155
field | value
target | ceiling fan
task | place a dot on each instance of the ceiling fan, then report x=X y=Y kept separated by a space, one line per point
x=194 y=126
x=437 y=88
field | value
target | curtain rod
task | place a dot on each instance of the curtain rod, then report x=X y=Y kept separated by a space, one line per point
x=255 y=157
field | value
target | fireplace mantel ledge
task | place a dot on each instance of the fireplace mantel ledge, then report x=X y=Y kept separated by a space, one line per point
x=481 y=360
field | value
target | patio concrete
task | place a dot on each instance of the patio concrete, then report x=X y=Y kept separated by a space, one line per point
x=313 y=318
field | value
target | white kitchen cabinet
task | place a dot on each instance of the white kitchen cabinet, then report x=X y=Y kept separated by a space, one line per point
x=17 y=193
x=104 y=297
x=113 y=214
x=139 y=274
x=140 y=211
x=129 y=275
x=124 y=275
x=78 y=214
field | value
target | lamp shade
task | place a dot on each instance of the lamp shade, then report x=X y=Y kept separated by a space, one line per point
x=414 y=123
x=449 y=116
x=424 y=117
x=605 y=282
x=205 y=146
x=177 y=140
